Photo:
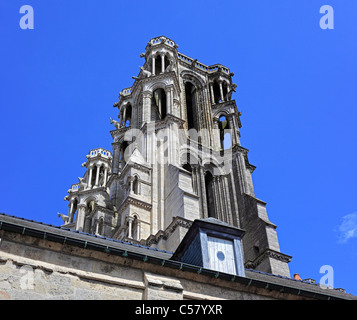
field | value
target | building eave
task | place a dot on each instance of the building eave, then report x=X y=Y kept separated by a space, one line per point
x=163 y=258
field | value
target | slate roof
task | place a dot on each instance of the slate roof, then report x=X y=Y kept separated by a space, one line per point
x=78 y=238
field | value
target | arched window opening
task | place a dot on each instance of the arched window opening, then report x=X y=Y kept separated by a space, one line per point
x=166 y=62
x=159 y=104
x=225 y=90
x=210 y=194
x=161 y=63
x=191 y=106
x=158 y=65
x=94 y=175
x=90 y=206
x=136 y=185
x=224 y=133
x=122 y=161
x=128 y=116
x=216 y=92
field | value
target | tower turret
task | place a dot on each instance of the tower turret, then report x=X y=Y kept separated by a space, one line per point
x=89 y=208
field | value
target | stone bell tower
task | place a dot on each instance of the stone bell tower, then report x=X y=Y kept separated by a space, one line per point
x=176 y=158
x=89 y=208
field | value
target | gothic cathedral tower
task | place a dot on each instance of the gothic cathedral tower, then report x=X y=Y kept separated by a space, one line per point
x=176 y=158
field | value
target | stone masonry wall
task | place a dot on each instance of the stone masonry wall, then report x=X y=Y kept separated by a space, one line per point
x=32 y=268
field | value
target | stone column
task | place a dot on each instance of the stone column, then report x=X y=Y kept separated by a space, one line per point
x=159 y=96
x=162 y=63
x=131 y=189
x=227 y=201
x=137 y=230
x=80 y=217
x=216 y=134
x=235 y=210
x=212 y=93
x=236 y=128
x=242 y=173
x=97 y=176
x=228 y=89
x=70 y=212
x=105 y=176
x=219 y=207
x=89 y=183
x=221 y=90
x=147 y=95
x=96 y=227
x=169 y=99
x=124 y=116
x=153 y=65
x=203 y=193
x=130 y=222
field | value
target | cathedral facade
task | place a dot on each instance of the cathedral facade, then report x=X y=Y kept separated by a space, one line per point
x=176 y=158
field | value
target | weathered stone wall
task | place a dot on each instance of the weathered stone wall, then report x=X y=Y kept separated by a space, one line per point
x=39 y=269
x=33 y=268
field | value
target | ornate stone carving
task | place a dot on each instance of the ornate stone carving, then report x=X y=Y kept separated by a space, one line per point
x=164 y=235
x=171 y=66
x=64 y=217
x=82 y=184
x=268 y=253
x=136 y=202
x=145 y=73
x=116 y=124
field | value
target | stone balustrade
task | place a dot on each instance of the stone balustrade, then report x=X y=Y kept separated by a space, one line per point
x=104 y=153
x=203 y=67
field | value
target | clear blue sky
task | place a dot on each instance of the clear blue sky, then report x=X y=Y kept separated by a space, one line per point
x=297 y=90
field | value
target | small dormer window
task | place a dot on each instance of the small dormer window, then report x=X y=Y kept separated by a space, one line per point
x=214 y=245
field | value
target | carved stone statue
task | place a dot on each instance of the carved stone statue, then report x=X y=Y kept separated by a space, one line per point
x=82 y=183
x=101 y=179
x=145 y=72
x=171 y=66
x=64 y=217
x=116 y=124
x=228 y=96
